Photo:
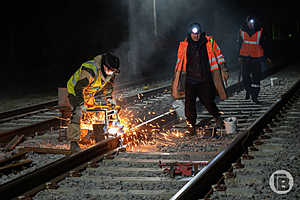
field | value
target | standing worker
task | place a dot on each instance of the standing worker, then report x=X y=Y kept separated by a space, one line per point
x=251 y=56
x=200 y=59
x=94 y=76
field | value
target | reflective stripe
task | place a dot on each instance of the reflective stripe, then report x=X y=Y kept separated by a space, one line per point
x=258 y=36
x=73 y=80
x=177 y=64
x=97 y=73
x=255 y=85
x=242 y=35
x=90 y=62
x=215 y=60
x=212 y=60
x=250 y=42
x=93 y=86
x=221 y=60
x=214 y=67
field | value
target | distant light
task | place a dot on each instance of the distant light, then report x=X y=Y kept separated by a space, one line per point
x=251 y=21
x=290 y=35
x=195 y=30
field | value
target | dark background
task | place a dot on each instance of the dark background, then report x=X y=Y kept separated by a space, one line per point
x=44 y=42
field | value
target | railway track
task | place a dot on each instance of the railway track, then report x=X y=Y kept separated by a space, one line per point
x=32 y=120
x=229 y=158
x=135 y=174
x=278 y=149
x=42 y=148
x=28 y=125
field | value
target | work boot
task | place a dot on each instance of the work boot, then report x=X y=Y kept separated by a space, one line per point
x=247 y=96
x=219 y=123
x=255 y=100
x=75 y=146
x=191 y=128
x=204 y=123
x=191 y=131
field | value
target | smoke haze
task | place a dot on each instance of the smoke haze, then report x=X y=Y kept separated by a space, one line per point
x=150 y=55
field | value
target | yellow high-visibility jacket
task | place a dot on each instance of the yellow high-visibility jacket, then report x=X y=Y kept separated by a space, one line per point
x=91 y=70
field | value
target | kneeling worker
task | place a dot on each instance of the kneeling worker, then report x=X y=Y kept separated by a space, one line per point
x=201 y=59
x=94 y=76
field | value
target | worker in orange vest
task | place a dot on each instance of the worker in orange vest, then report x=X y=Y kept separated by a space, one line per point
x=251 y=55
x=201 y=61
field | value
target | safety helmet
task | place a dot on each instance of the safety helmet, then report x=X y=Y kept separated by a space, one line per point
x=250 y=19
x=194 y=28
x=111 y=61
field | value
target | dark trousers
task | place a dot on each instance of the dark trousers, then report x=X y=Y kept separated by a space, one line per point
x=206 y=93
x=251 y=73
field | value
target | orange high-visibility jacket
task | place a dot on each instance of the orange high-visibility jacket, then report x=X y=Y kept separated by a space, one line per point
x=250 y=45
x=215 y=55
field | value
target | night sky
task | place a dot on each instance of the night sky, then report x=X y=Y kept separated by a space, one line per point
x=44 y=42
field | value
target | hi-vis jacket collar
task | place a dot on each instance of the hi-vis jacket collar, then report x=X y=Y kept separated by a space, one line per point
x=215 y=55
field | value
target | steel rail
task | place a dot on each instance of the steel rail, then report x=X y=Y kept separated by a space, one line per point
x=201 y=184
x=55 y=122
x=233 y=88
x=40 y=176
x=27 y=182
x=54 y=102
x=24 y=110
x=30 y=130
